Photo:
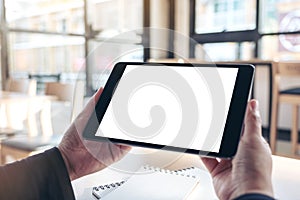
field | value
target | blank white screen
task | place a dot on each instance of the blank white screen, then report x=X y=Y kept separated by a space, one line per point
x=152 y=93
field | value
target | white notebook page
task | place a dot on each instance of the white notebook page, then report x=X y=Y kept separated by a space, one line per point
x=160 y=184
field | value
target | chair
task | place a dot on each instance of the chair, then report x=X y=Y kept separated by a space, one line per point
x=290 y=96
x=25 y=86
x=21 y=147
x=41 y=79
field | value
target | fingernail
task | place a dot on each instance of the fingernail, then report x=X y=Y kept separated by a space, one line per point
x=254 y=105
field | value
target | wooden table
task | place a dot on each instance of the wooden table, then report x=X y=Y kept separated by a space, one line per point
x=31 y=104
x=285 y=175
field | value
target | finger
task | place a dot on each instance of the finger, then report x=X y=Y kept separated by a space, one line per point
x=91 y=105
x=124 y=147
x=93 y=101
x=252 y=120
x=210 y=163
x=82 y=119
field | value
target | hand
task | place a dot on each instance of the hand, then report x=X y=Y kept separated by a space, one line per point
x=84 y=157
x=250 y=170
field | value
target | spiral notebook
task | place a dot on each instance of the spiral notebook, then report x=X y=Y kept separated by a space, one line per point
x=100 y=191
x=150 y=183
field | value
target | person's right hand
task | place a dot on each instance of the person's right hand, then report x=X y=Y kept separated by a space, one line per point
x=250 y=170
x=83 y=157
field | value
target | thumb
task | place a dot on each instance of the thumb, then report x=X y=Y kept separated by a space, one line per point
x=98 y=94
x=252 y=120
x=92 y=102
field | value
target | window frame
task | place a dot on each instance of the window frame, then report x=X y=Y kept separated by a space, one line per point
x=231 y=36
x=5 y=30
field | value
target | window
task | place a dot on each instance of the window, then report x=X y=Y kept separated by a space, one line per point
x=103 y=56
x=224 y=15
x=55 y=36
x=45 y=54
x=1 y=71
x=46 y=15
x=280 y=47
x=116 y=30
x=280 y=16
x=234 y=24
x=117 y=15
x=228 y=51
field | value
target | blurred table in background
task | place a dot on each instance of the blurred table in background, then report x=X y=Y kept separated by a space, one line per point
x=18 y=107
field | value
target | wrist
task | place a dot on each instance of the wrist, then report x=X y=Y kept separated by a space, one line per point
x=253 y=196
x=256 y=188
x=67 y=163
x=263 y=192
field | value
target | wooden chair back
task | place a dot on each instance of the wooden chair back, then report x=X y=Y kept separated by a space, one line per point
x=27 y=86
x=68 y=92
x=63 y=91
x=281 y=70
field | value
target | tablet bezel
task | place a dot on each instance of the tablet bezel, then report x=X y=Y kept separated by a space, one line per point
x=234 y=122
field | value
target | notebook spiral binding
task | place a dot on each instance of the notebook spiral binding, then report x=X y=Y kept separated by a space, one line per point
x=108 y=186
x=99 y=191
x=180 y=172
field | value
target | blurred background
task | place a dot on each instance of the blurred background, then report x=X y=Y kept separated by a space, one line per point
x=55 y=40
x=53 y=37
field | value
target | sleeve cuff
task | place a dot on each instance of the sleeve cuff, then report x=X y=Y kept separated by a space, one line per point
x=59 y=180
x=254 y=196
x=42 y=176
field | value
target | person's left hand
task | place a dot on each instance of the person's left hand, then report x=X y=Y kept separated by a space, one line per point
x=84 y=157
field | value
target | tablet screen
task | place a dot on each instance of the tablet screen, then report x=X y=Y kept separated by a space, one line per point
x=180 y=106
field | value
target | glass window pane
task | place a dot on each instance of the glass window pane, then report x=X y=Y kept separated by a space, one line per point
x=1 y=63
x=103 y=56
x=224 y=15
x=282 y=47
x=227 y=51
x=107 y=18
x=45 y=54
x=46 y=15
x=280 y=16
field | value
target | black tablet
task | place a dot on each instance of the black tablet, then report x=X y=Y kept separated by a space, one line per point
x=191 y=108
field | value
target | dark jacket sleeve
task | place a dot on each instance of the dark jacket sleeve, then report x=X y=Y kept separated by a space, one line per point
x=254 y=197
x=43 y=176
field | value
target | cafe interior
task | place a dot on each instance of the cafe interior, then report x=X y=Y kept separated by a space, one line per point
x=56 y=53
